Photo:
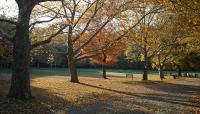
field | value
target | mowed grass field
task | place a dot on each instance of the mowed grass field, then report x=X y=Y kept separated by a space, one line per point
x=86 y=72
x=81 y=72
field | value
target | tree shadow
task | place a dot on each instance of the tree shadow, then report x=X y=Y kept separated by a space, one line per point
x=171 y=88
x=45 y=102
x=48 y=102
x=173 y=98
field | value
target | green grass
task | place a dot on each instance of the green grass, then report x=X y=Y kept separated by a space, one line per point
x=81 y=72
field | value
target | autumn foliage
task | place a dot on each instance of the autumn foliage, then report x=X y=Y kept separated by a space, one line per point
x=101 y=51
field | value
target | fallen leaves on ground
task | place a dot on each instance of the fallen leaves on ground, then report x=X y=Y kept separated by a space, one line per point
x=57 y=95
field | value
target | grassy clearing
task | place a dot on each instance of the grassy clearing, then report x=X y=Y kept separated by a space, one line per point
x=81 y=72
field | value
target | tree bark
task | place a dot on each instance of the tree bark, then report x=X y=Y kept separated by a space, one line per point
x=20 y=83
x=179 y=71
x=104 y=66
x=73 y=71
x=161 y=72
x=71 y=59
x=145 y=73
x=104 y=71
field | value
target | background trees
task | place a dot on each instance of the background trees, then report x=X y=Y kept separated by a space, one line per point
x=144 y=40
x=89 y=20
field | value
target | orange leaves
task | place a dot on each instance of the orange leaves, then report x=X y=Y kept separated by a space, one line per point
x=99 y=47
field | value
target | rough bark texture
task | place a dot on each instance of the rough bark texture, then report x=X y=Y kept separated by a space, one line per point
x=145 y=73
x=104 y=71
x=104 y=66
x=73 y=71
x=161 y=73
x=20 y=84
x=71 y=59
x=179 y=71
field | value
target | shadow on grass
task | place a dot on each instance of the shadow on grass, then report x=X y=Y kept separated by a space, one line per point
x=172 y=96
x=46 y=102
x=172 y=88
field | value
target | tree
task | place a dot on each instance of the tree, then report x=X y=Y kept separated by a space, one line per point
x=142 y=43
x=6 y=46
x=20 y=84
x=92 y=18
x=100 y=54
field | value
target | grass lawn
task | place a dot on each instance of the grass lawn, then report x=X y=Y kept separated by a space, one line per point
x=81 y=71
x=85 y=72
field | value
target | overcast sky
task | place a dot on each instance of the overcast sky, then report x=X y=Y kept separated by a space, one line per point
x=8 y=8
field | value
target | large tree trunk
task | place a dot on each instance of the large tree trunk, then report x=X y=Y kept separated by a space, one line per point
x=161 y=73
x=104 y=66
x=160 y=68
x=20 y=83
x=179 y=71
x=104 y=71
x=71 y=59
x=73 y=71
x=145 y=73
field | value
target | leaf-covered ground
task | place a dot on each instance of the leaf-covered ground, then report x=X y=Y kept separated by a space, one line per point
x=56 y=95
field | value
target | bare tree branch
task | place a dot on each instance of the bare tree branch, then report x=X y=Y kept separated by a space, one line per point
x=8 y=21
x=44 y=21
x=88 y=7
x=48 y=40
x=115 y=41
x=88 y=22
x=92 y=37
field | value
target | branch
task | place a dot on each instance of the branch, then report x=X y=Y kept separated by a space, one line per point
x=45 y=21
x=5 y=35
x=50 y=9
x=8 y=21
x=87 y=56
x=124 y=34
x=88 y=22
x=88 y=7
x=92 y=37
x=116 y=40
x=48 y=40
x=40 y=1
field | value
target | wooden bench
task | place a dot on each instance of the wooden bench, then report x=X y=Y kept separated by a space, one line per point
x=196 y=75
x=190 y=75
x=129 y=75
x=174 y=75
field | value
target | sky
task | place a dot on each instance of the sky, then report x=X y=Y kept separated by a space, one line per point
x=8 y=8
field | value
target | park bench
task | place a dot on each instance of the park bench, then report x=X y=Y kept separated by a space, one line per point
x=196 y=75
x=174 y=75
x=129 y=75
x=190 y=75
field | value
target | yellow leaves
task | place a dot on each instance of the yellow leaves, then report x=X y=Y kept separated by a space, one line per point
x=50 y=59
